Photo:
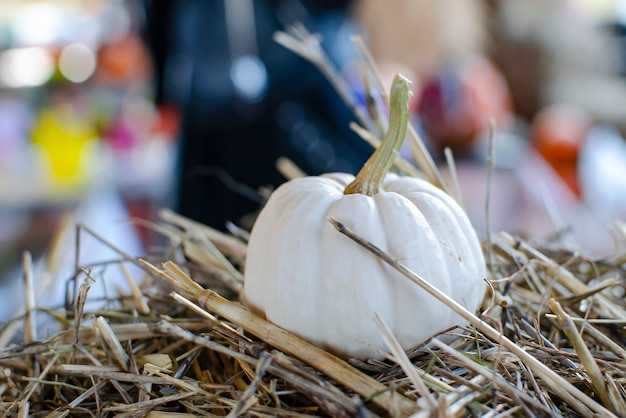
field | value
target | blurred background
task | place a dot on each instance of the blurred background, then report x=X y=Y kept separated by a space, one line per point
x=111 y=110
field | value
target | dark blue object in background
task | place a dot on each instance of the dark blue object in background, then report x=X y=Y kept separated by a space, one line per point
x=241 y=115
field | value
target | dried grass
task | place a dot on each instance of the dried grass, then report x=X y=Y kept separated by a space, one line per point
x=549 y=341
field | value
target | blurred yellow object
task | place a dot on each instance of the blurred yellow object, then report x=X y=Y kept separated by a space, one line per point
x=68 y=144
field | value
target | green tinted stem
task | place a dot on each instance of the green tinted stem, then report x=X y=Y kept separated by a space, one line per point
x=370 y=179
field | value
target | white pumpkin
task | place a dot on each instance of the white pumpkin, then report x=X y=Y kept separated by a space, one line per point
x=306 y=277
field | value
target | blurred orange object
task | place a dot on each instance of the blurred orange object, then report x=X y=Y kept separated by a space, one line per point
x=458 y=103
x=558 y=133
x=167 y=121
x=124 y=61
x=420 y=35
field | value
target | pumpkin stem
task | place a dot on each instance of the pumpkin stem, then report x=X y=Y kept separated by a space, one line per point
x=370 y=179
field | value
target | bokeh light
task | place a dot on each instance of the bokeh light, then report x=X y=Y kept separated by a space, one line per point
x=77 y=62
x=38 y=24
x=25 y=67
